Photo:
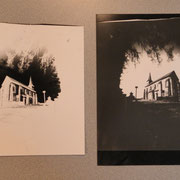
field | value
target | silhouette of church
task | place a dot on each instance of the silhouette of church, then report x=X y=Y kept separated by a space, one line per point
x=13 y=93
x=165 y=88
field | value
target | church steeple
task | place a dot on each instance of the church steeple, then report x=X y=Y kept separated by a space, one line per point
x=149 y=79
x=30 y=83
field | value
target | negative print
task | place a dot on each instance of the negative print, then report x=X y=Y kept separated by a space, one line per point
x=138 y=59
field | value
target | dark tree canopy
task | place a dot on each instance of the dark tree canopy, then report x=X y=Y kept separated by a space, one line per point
x=32 y=64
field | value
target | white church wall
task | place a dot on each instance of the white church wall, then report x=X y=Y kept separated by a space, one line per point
x=7 y=98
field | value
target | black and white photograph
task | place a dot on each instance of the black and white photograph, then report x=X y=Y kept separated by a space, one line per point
x=41 y=90
x=138 y=89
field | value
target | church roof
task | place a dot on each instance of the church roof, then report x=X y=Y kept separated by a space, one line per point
x=18 y=83
x=163 y=77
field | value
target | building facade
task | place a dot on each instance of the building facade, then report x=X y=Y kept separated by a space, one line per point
x=13 y=93
x=164 y=88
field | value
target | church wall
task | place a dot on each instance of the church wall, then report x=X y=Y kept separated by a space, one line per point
x=163 y=88
x=10 y=95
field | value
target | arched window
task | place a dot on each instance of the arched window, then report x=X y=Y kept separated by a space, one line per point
x=167 y=83
x=147 y=93
x=14 y=89
x=22 y=92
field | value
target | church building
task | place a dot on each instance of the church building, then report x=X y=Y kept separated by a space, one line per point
x=13 y=93
x=165 y=88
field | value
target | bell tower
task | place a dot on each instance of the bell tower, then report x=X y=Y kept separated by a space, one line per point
x=31 y=83
x=149 y=79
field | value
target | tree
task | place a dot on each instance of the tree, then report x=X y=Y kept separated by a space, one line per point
x=44 y=76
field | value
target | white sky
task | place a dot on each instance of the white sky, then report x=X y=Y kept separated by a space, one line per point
x=65 y=126
x=137 y=75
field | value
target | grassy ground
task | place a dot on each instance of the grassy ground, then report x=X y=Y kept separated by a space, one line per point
x=141 y=126
x=155 y=125
x=34 y=130
x=136 y=132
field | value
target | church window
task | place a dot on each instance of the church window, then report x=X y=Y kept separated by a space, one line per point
x=22 y=91
x=21 y=95
x=167 y=83
x=163 y=92
x=14 y=90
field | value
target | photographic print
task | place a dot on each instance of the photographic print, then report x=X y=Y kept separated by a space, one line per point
x=138 y=89
x=41 y=90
